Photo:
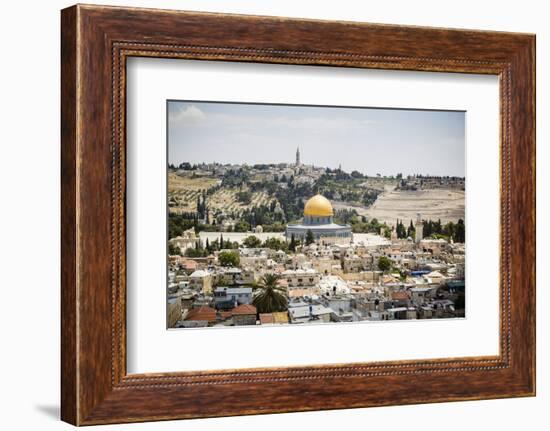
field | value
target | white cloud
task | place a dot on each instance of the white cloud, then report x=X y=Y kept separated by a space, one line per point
x=229 y=122
x=188 y=115
x=321 y=124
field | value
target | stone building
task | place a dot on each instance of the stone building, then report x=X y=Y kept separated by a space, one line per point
x=201 y=281
x=244 y=314
x=188 y=239
x=301 y=277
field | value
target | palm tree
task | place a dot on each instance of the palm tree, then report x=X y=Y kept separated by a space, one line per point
x=269 y=296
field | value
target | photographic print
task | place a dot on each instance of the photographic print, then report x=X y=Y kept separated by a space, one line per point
x=295 y=214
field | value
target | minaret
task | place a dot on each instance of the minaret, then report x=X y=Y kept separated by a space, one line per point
x=297 y=156
x=393 y=235
x=418 y=228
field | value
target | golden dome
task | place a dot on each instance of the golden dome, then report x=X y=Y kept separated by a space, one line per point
x=318 y=206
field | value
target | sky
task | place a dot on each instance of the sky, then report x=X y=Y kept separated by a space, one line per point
x=369 y=140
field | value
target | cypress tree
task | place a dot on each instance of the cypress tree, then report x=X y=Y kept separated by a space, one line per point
x=292 y=246
x=310 y=239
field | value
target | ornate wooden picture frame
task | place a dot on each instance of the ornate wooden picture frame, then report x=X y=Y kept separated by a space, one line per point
x=96 y=42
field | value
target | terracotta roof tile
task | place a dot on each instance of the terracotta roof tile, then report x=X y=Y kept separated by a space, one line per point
x=266 y=318
x=204 y=313
x=225 y=314
x=400 y=296
x=190 y=264
x=244 y=309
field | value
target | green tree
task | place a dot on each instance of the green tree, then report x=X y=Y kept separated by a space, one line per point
x=310 y=239
x=269 y=297
x=229 y=258
x=292 y=246
x=194 y=252
x=428 y=228
x=437 y=227
x=252 y=241
x=460 y=231
x=384 y=263
x=177 y=223
x=228 y=244
x=411 y=230
x=401 y=231
x=174 y=250
x=242 y=226
x=276 y=244
x=244 y=197
x=449 y=229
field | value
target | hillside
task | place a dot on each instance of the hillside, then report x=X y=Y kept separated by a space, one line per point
x=272 y=195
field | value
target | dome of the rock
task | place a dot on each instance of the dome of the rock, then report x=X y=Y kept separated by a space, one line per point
x=318 y=224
